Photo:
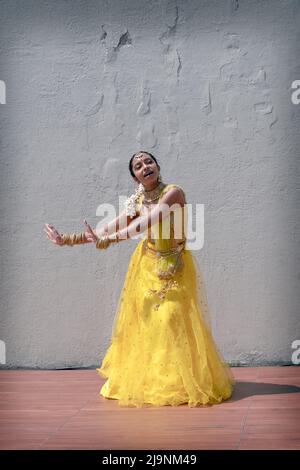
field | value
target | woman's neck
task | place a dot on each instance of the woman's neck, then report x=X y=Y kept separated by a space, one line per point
x=154 y=194
x=152 y=187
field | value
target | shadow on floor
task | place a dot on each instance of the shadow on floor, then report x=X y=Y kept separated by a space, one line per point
x=247 y=389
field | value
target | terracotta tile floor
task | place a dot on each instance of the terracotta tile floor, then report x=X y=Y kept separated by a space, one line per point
x=62 y=409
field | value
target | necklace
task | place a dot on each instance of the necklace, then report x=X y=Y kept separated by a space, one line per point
x=146 y=197
x=152 y=195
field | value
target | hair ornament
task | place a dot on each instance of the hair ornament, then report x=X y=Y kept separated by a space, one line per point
x=131 y=202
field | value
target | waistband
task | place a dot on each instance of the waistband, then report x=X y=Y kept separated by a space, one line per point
x=180 y=247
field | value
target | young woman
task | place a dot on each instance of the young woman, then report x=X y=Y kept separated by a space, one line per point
x=162 y=351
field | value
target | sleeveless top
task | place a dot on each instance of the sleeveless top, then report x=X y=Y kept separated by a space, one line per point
x=166 y=239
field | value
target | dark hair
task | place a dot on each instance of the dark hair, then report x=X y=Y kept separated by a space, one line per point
x=131 y=160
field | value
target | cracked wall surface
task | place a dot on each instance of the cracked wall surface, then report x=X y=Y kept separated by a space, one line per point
x=203 y=85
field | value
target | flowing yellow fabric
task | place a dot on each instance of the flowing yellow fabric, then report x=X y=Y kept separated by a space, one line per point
x=162 y=351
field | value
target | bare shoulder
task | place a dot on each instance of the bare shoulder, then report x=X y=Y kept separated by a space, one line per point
x=172 y=194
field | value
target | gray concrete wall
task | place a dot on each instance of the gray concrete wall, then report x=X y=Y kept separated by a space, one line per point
x=203 y=85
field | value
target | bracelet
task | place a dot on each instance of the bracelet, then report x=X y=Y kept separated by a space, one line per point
x=103 y=242
x=73 y=239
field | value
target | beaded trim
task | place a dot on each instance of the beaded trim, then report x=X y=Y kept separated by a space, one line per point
x=164 y=253
x=169 y=273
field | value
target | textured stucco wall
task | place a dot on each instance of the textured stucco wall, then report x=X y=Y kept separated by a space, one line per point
x=203 y=85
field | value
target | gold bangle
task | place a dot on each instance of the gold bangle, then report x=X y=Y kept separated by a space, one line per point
x=103 y=242
x=65 y=239
x=73 y=239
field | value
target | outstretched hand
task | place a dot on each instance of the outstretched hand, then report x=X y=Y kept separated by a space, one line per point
x=53 y=234
x=90 y=234
x=57 y=238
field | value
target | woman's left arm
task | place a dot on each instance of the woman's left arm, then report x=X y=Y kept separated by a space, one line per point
x=170 y=201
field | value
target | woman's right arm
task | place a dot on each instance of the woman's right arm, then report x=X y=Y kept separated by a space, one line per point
x=60 y=239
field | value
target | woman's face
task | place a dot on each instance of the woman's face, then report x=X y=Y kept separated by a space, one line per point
x=145 y=169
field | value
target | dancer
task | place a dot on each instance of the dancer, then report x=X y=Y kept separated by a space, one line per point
x=162 y=351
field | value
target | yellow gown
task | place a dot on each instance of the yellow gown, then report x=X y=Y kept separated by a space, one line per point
x=162 y=351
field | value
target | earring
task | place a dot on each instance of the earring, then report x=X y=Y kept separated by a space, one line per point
x=159 y=180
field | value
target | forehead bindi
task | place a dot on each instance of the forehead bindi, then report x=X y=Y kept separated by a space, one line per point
x=140 y=158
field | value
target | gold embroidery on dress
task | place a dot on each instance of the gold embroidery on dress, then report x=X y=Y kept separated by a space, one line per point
x=163 y=291
x=167 y=261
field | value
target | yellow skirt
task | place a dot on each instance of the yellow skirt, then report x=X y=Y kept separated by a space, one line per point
x=162 y=351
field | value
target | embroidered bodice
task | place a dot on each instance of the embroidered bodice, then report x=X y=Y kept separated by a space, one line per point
x=167 y=238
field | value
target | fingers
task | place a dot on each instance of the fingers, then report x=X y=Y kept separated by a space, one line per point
x=90 y=231
x=52 y=233
x=51 y=239
x=89 y=228
x=46 y=230
x=49 y=234
x=52 y=228
x=89 y=237
x=89 y=234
